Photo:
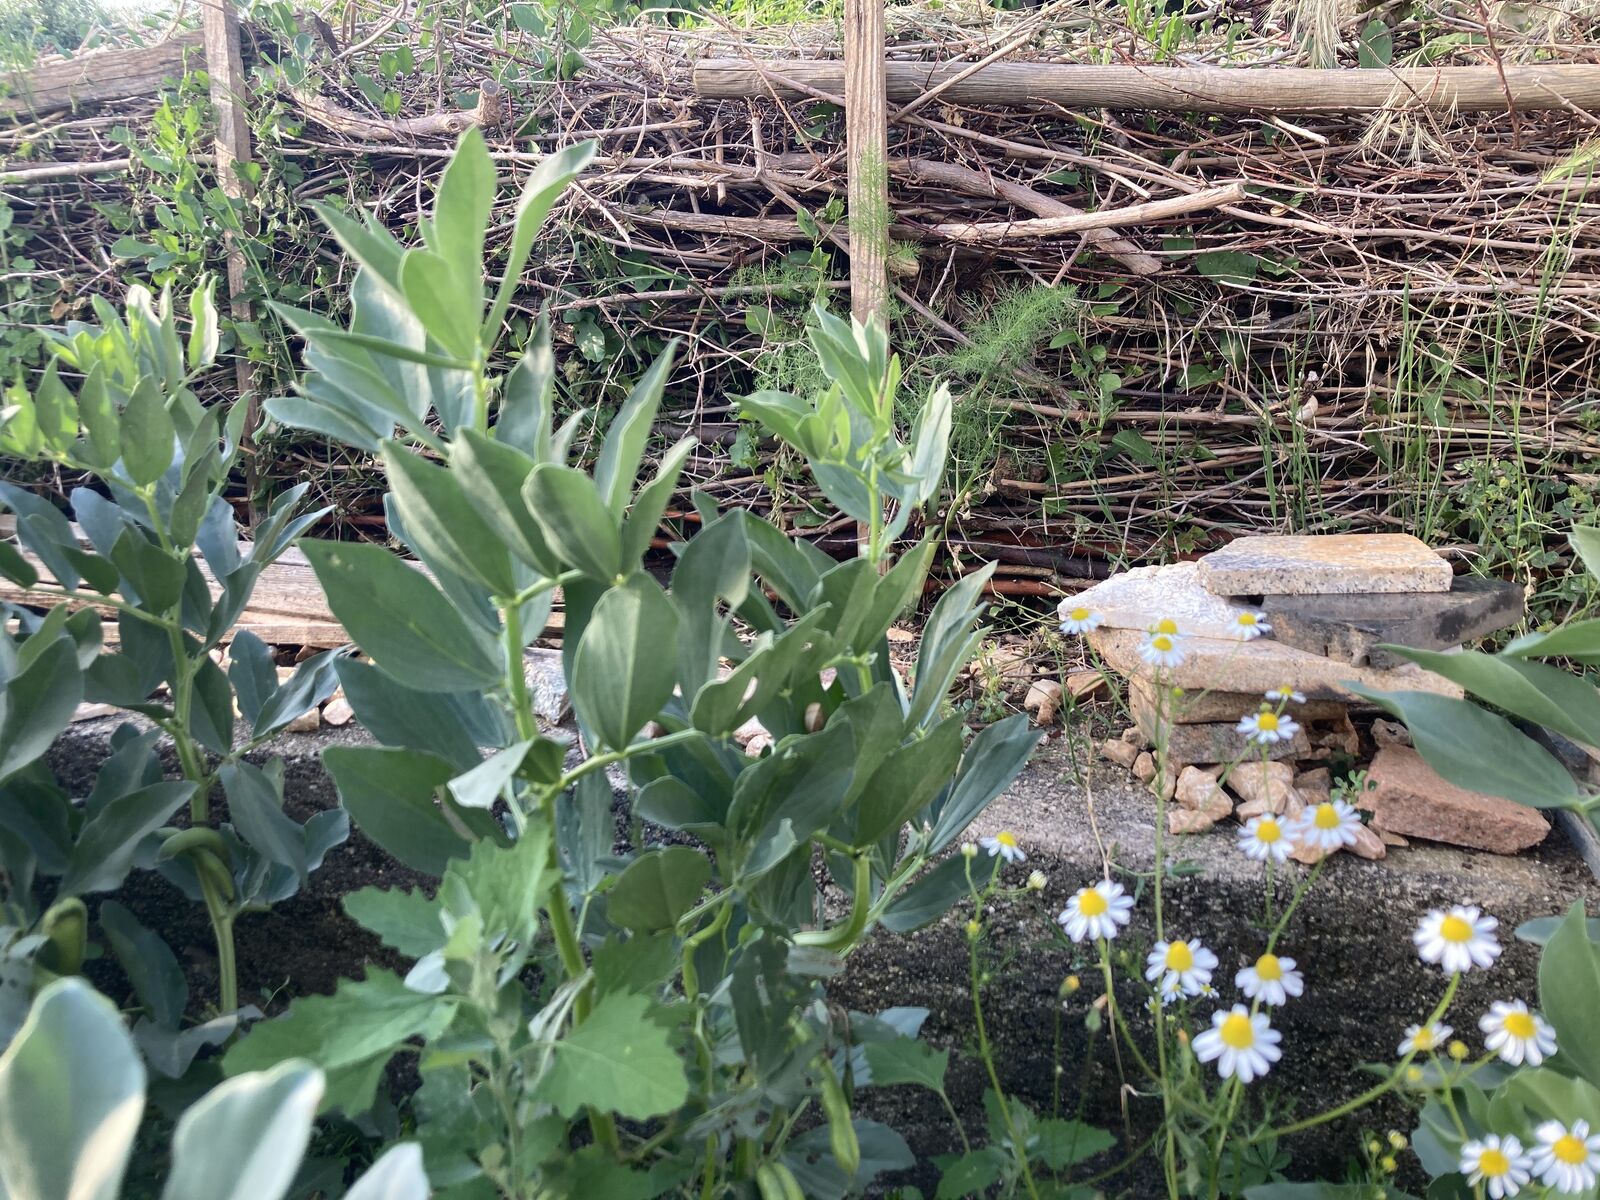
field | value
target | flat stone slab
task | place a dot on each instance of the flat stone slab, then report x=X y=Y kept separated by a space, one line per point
x=1206 y=707
x=1138 y=598
x=1410 y=798
x=1350 y=628
x=1340 y=563
x=1234 y=666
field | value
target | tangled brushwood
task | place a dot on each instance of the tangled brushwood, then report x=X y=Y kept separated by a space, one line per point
x=1390 y=328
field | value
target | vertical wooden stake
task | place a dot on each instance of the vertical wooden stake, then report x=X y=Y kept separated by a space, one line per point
x=225 y=67
x=866 y=128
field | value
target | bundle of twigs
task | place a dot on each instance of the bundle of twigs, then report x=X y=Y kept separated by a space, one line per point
x=1312 y=322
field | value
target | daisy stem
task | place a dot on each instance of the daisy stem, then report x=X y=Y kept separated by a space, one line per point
x=1235 y=1089
x=1372 y=1093
x=1170 y=1152
x=994 y=1077
x=1294 y=902
x=1114 y=1015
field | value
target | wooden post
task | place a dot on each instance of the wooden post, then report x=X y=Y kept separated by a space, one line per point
x=866 y=128
x=225 y=66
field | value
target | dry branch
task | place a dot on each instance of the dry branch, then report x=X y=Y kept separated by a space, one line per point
x=1108 y=218
x=489 y=113
x=1177 y=89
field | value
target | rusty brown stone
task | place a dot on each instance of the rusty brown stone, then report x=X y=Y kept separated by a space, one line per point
x=1408 y=797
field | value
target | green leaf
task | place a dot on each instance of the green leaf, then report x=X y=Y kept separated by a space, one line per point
x=390 y=796
x=1585 y=539
x=1540 y=930
x=499 y=472
x=507 y=884
x=204 y=334
x=549 y=179
x=397 y=1175
x=57 y=412
x=908 y=779
x=461 y=210
x=626 y=661
x=147 y=434
x=37 y=703
x=1374 y=45
x=1227 y=266
x=444 y=300
x=445 y=523
x=401 y=620
x=1569 y=982
x=71 y=1095
x=994 y=758
x=617 y=1061
x=154 y=575
x=451 y=725
x=408 y=921
x=652 y=501
x=970 y=1175
x=15 y=567
x=948 y=640
x=928 y=899
x=1063 y=1144
x=244 y=1139
x=363 y=1023
x=1479 y=750
x=104 y=852
x=1577 y=640
x=657 y=888
x=1537 y=692
x=575 y=520
x=907 y=1060
x=148 y=962
x=623 y=449
x=255 y=804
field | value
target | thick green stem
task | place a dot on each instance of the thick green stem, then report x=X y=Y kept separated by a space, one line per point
x=222 y=915
x=842 y=937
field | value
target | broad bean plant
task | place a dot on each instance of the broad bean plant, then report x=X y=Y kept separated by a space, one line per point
x=154 y=546
x=647 y=1016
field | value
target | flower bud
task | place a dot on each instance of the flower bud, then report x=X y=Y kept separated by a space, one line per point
x=1397 y=1140
x=973 y=930
x=1374 y=1146
x=1457 y=1049
x=814 y=717
x=969 y=850
x=1070 y=984
x=1413 y=1075
x=1389 y=1164
x=1036 y=881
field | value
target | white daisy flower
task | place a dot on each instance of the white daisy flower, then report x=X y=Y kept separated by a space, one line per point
x=1266 y=727
x=1249 y=625
x=1497 y=1162
x=1327 y=826
x=1171 y=992
x=1567 y=1160
x=1517 y=1035
x=1096 y=912
x=1077 y=619
x=1265 y=837
x=1162 y=649
x=1005 y=845
x=1189 y=963
x=1424 y=1039
x=1457 y=940
x=1285 y=695
x=1271 y=980
x=1242 y=1045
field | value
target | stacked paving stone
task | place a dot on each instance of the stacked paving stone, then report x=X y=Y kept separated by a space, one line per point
x=1328 y=603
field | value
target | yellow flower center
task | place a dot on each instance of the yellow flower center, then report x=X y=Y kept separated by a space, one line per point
x=1520 y=1025
x=1180 y=957
x=1237 y=1032
x=1006 y=838
x=1424 y=1039
x=1570 y=1149
x=1091 y=903
x=1326 y=817
x=1161 y=642
x=1268 y=968
x=1455 y=929
x=1267 y=721
x=1247 y=618
x=1080 y=614
x=1167 y=625
x=1494 y=1163
x=1268 y=831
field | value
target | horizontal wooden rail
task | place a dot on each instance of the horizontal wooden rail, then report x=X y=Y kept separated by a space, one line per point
x=1185 y=89
x=98 y=76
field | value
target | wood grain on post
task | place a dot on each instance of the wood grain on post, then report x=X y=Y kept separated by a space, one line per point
x=229 y=97
x=866 y=127
x=1184 y=89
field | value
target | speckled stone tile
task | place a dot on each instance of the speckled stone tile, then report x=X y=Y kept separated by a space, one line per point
x=1342 y=564
x=1138 y=598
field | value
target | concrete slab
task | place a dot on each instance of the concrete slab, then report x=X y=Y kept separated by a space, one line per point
x=1326 y=563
